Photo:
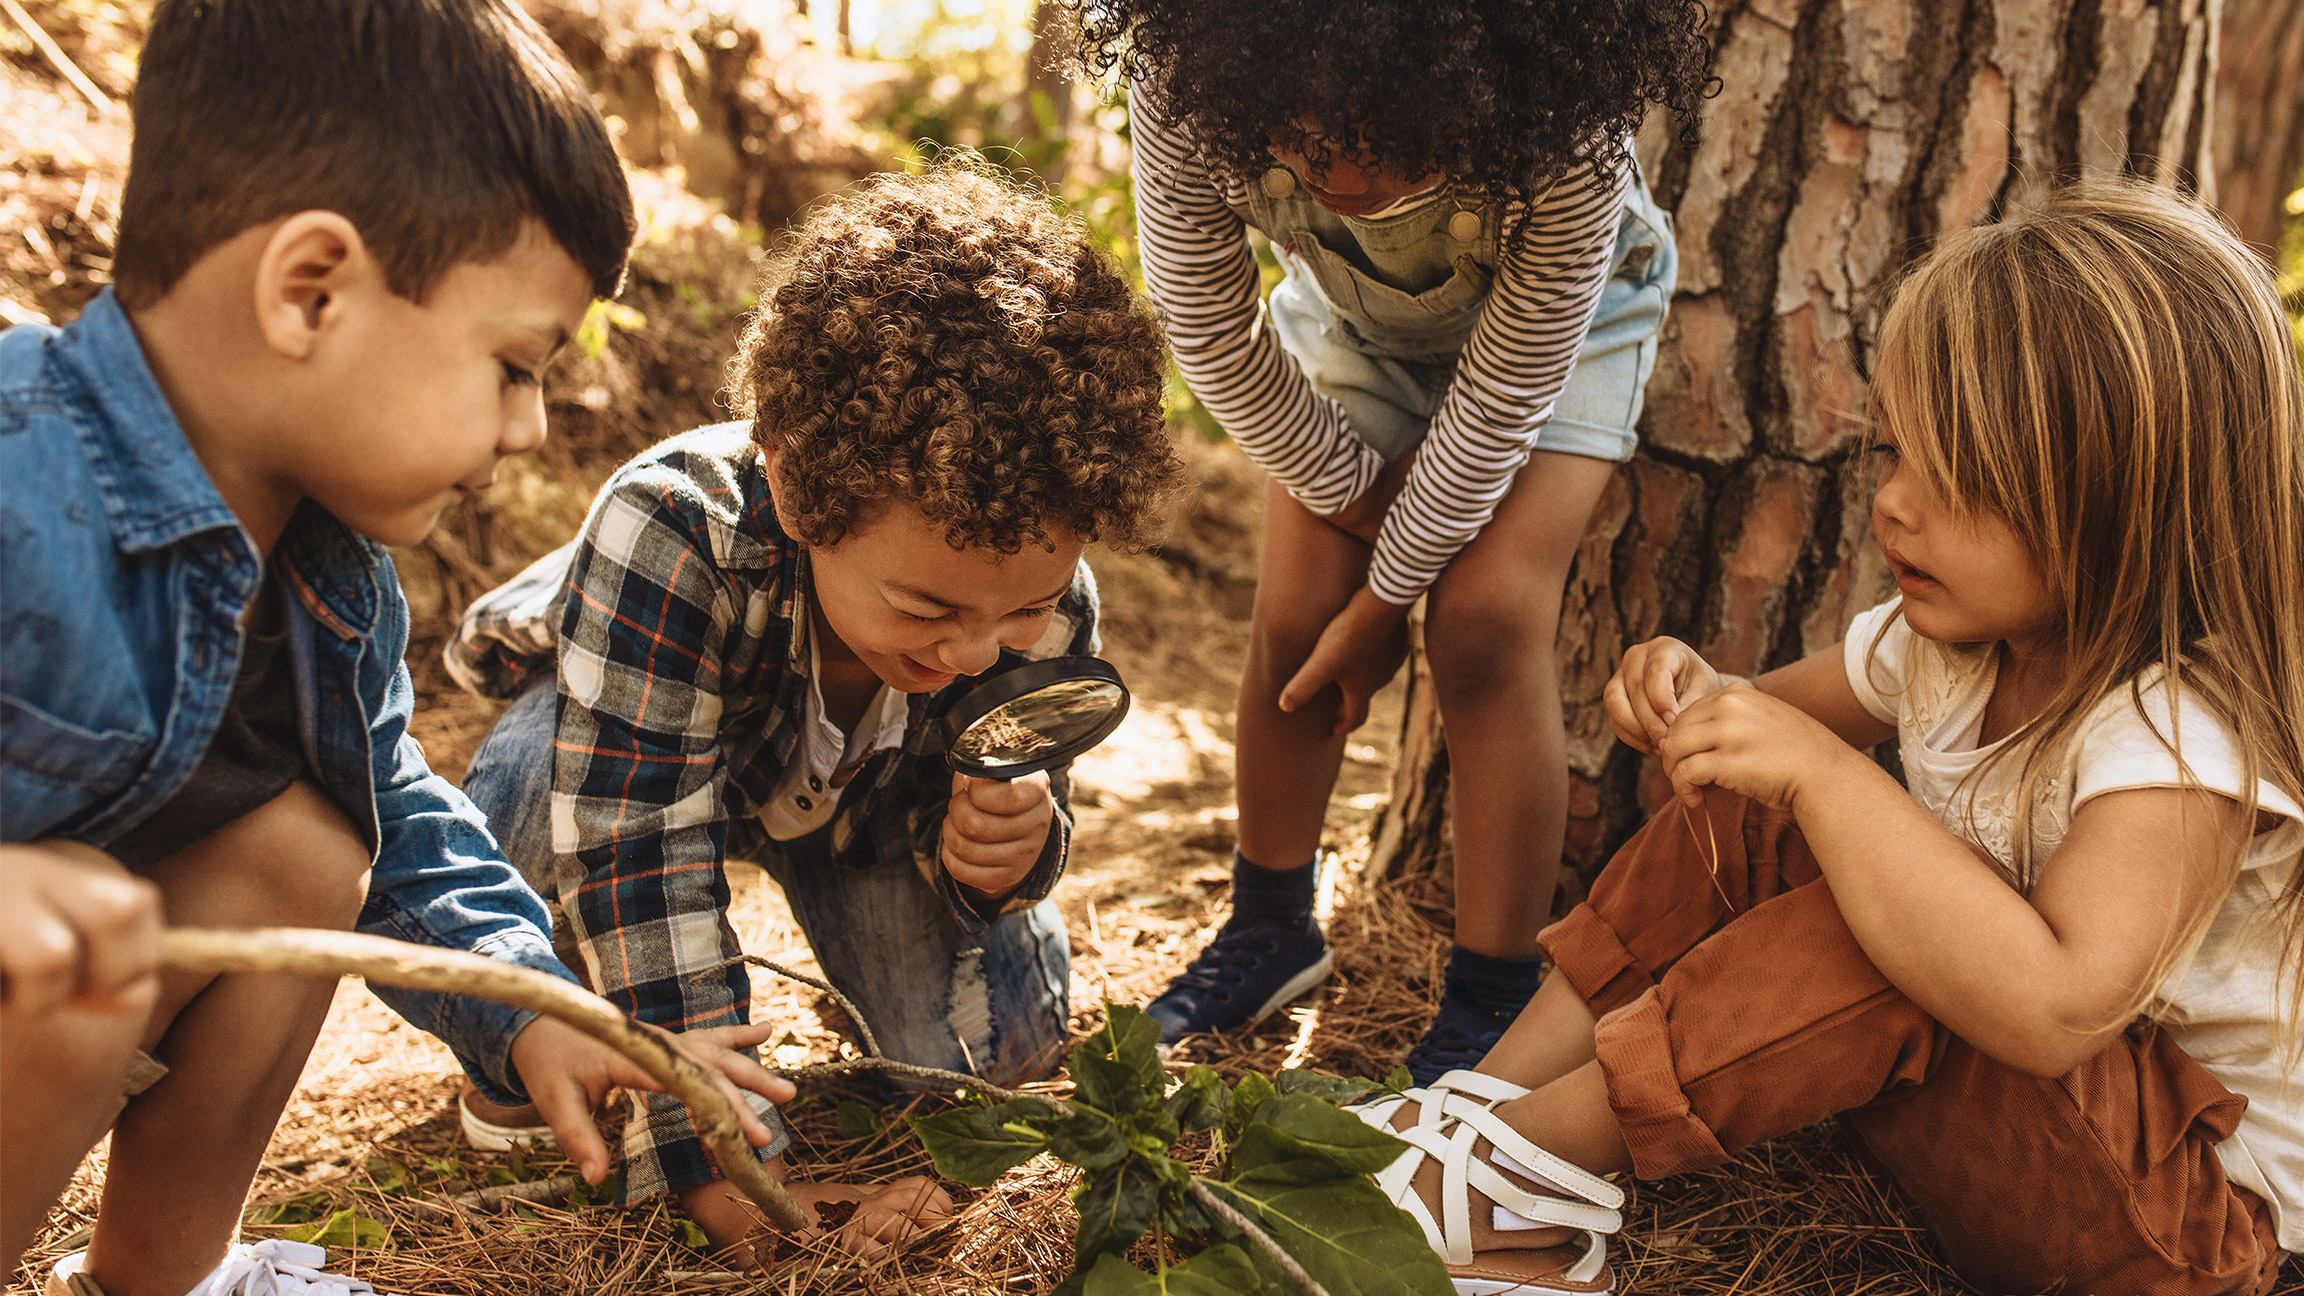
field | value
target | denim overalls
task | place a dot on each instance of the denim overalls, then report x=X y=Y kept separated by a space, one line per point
x=1377 y=310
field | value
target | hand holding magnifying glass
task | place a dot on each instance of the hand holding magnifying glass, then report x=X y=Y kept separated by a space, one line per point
x=1001 y=739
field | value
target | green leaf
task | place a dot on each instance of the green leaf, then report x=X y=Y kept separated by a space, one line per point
x=1336 y=1089
x=1298 y=1126
x=445 y=1167
x=1116 y=1206
x=856 y=1120
x=1247 y=1096
x=1397 y=1080
x=1342 y=1230
x=300 y=1209
x=390 y=1177
x=1089 y=1140
x=1201 y=1102
x=976 y=1145
x=1117 y=1069
x=599 y=1194
x=345 y=1231
x=691 y=1235
x=1221 y=1270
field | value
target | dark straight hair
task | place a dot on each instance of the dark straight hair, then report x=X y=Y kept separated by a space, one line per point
x=437 y=127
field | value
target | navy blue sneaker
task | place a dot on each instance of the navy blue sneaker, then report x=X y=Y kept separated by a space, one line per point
x=1460 y=1035
x=1245 y=973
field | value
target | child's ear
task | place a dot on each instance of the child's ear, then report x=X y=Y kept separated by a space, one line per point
x=769 y=456
x=312 y=266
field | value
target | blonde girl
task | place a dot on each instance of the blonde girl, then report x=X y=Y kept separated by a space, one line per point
x=2051 y=980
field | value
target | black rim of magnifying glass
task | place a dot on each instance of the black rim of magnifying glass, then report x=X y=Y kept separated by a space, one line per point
x=1012 y=684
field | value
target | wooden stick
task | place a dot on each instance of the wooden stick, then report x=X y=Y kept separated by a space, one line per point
x=420 y=967
x=96 y=98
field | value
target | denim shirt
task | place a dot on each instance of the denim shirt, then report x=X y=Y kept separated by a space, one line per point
x=123 y=575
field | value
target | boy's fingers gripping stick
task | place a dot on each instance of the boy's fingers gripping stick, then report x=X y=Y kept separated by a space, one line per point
x=76 y=931
x=391 y=962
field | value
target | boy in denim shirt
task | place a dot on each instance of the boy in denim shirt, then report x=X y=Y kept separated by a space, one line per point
x=746 y=652
x=352 y=235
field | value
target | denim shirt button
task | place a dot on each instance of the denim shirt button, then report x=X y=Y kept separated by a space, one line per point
x=1464 y=226
x=1279 y=182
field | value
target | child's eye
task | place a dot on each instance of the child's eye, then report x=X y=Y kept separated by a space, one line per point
x=1885 y=450
x=515 y=376
x=924 y=620
x=1038 y=611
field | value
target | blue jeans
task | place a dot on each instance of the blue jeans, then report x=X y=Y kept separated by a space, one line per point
x=995 y=1004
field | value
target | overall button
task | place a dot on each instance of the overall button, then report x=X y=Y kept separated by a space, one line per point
x=1279 y=182
x=1464 y=226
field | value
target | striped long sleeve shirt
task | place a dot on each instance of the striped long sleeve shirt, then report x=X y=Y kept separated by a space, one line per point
x=1202 y=272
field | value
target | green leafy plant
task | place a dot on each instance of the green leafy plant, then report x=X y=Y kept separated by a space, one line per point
x=1293 y=1208
x=344 y=1230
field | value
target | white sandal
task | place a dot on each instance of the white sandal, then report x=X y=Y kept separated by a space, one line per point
x=274 y=1267
x=1453 y=1115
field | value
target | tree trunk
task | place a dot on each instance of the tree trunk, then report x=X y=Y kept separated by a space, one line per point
x=1847 y=136
x=1049 y=101
x=2257 y=128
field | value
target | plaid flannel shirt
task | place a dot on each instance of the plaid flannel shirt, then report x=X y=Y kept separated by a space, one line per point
x=682 y=683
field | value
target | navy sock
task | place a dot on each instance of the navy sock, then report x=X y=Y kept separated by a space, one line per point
x=1281 y=897
x=1499 y=987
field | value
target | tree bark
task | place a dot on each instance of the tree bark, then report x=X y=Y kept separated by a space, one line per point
x=1847 y=136
x=2257 y=129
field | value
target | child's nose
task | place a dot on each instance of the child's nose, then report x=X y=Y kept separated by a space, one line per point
x=524 y=431
x=970 y=654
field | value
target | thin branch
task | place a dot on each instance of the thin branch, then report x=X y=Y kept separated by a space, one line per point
x=63 y=63
x=541 y=1192
x=1264 y=1241
x=421 y=967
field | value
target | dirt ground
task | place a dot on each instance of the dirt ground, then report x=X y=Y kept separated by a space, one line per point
x=371 y=1130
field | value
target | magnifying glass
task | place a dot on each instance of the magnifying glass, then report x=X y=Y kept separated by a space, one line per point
x=1034 y=716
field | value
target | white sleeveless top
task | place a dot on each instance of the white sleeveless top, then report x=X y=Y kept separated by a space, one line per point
x=2221 y=1005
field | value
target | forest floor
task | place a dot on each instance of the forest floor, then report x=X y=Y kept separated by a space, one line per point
x=370 y=1138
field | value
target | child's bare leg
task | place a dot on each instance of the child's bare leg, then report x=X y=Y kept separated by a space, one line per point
x=185 y=1151
x=60 y=1078
x=1286 y=762
x=1489 y=633
x=1551 y=1037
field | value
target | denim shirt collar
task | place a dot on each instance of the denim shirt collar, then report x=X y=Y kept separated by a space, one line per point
x=156 y=492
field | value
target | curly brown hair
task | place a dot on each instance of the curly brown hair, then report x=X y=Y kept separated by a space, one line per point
x=952 y=340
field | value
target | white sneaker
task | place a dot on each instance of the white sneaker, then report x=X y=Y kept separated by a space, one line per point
x=274 y=1267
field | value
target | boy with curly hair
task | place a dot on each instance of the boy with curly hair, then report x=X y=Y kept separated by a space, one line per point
x=353 y=232
x=952 y=394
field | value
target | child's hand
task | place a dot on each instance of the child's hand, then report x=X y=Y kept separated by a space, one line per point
x=77 y=932
x=568 y=1075
x=1741 y=739
x=1359 y=653
x=994 y=831
x=1655 y=682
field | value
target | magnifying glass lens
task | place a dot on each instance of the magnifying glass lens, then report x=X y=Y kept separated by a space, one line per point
x=1053 y=718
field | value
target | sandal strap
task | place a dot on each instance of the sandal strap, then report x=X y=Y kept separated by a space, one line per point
x=1449 y=1125
x=1487 y=1088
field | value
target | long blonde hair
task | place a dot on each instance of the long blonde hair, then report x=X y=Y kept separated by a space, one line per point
x=2112 y=374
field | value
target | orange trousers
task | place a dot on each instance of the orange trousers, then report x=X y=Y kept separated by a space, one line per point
x=1733 y=1013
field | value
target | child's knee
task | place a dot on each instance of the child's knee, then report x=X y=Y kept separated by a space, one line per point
x=1488 y=644
x=295 y=861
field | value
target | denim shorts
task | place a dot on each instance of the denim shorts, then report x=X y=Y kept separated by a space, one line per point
x=1390 y=402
